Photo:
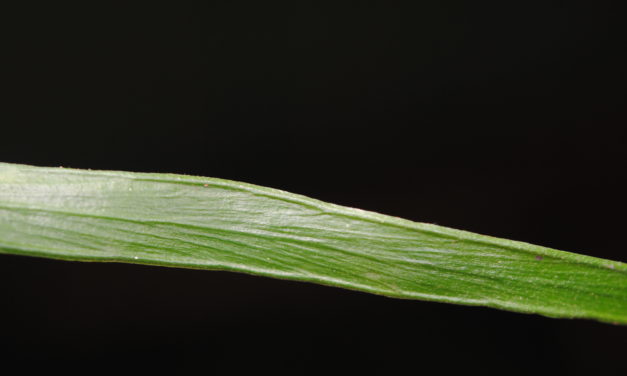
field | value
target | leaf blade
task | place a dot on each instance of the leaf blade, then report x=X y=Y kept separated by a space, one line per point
x=208 y=223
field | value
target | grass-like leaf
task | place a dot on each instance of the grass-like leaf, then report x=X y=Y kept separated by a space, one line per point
x=206 y=223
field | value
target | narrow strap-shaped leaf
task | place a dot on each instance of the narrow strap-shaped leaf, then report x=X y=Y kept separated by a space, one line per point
x=207 y=223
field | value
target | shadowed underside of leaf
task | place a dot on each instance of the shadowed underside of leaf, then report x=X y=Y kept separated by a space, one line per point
x=207 y=223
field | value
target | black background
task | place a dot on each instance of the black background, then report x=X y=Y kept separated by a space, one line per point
x=503 y=118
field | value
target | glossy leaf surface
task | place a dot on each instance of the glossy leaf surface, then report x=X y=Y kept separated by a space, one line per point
x=207 y=223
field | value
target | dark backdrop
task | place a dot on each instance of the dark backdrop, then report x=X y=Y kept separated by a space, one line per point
x=503 y=118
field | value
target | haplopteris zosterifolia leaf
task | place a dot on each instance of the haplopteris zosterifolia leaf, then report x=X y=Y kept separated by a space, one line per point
x=208 y=223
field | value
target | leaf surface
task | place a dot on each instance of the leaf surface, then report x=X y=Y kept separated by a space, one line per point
x=208 y=223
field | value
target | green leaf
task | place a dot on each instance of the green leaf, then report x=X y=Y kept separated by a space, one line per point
x=206 y=223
